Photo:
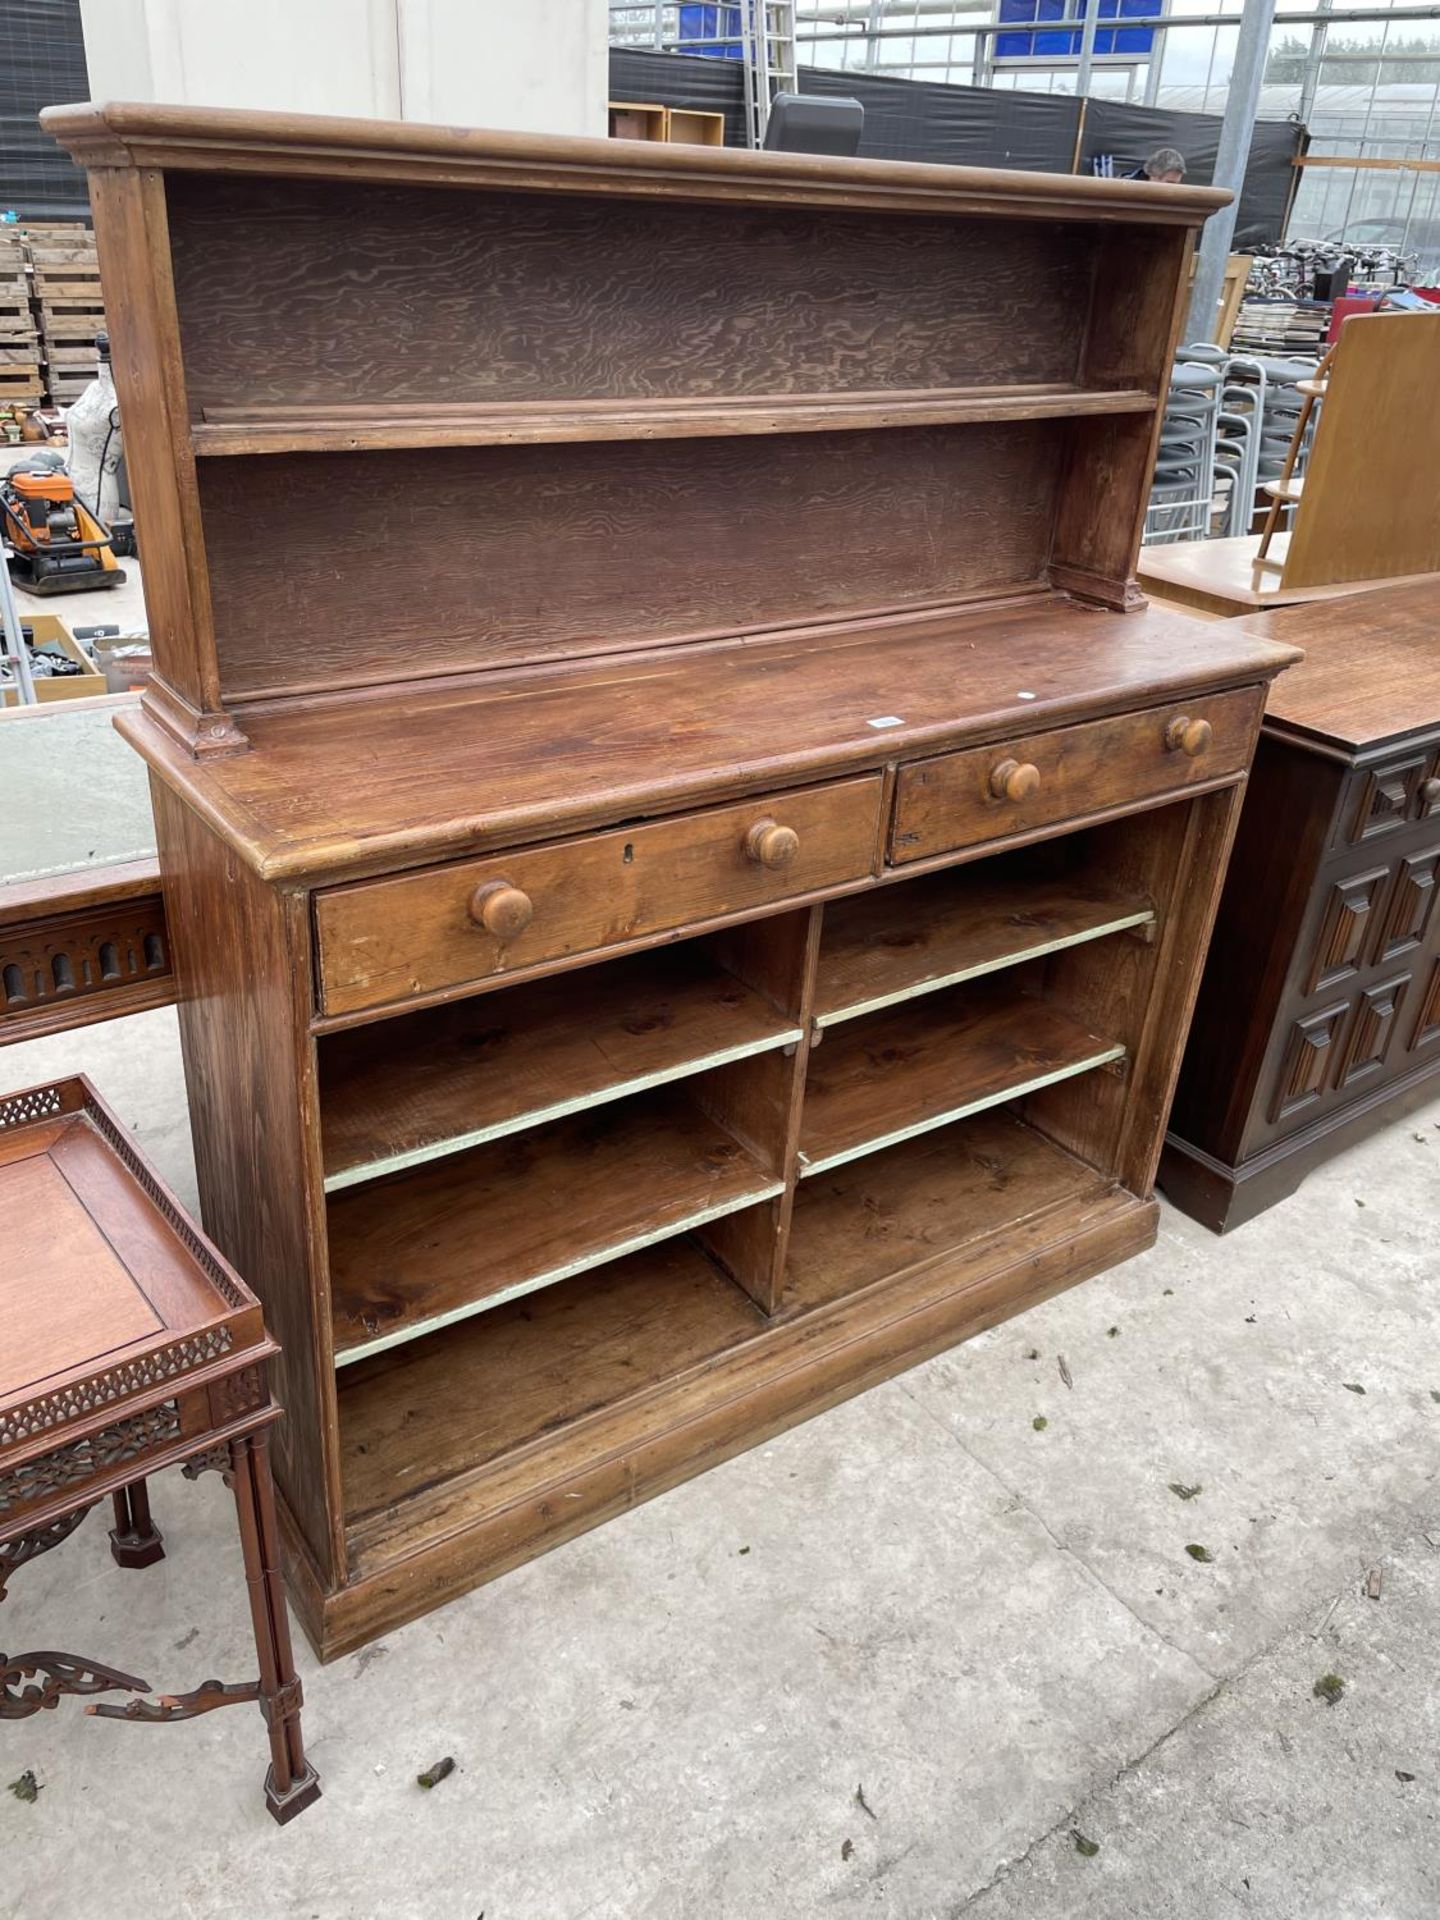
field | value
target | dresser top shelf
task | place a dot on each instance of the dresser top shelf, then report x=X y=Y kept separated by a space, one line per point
x=364 y=427
x=370 y=782
x=227 y=140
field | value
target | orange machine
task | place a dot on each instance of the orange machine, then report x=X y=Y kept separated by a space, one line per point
x=56 y=545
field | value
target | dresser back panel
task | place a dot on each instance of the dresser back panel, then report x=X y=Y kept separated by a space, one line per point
x=497 y=555
x=311 y=293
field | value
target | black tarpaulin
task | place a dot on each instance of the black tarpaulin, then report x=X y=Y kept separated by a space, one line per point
x=42 y=62
x=1132 y=134
x=956 y=126
x=988 y=127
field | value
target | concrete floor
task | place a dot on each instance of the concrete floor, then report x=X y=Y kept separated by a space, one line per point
x=55 y=818
x=889 y=1665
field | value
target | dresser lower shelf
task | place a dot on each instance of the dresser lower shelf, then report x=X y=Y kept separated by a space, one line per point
x=470 y=1451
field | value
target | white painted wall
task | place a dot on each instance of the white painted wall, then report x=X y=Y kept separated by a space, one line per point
x=532 y=65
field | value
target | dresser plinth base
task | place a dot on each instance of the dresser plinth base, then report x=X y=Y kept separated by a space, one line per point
x=794 y=1369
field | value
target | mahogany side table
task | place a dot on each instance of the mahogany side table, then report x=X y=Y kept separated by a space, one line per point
x=128 y=1345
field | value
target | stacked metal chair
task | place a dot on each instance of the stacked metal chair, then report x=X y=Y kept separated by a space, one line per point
x=1183 y=492
x=1229 y=421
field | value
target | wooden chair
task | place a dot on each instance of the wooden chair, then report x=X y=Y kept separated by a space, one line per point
x=1367 y=507
x=129 y=1346
x=1286 y=491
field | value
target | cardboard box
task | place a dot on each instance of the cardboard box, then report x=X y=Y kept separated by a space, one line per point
x=48 y=629
x=690 y=129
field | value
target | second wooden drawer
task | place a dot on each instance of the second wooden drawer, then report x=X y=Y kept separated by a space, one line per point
x=988 y=793
x=387 y=941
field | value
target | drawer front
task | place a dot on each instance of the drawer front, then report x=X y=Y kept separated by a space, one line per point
x=385 y=941
x=988 y=793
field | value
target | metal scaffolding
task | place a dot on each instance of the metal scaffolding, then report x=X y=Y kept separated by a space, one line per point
x=760 y=34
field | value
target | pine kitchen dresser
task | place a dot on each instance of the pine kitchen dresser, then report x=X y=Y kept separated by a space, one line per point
x=687 y=855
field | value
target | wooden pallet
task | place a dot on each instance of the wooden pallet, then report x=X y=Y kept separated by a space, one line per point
x=20 y=386
x=65 y=390
x=75 y=320
x=20 y=378
x=70 y=304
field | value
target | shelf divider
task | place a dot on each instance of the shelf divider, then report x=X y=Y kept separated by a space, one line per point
x=369 y=427
x=901 y=1073
x=459 y=1235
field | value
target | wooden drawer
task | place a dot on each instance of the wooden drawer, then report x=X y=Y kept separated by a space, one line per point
x=988 y=793
x=388 y=940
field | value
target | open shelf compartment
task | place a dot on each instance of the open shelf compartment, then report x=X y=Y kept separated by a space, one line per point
x=882 y=948
x=616 y=1359
x=900 y=1073
x=409 y=1090
x=457 y=1236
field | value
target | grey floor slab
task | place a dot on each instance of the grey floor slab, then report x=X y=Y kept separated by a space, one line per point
x=135 y=1063
x=1268 y=1801
x=1287 y=1371
x=50 y=821
x=918 y=1596
x=72 y=793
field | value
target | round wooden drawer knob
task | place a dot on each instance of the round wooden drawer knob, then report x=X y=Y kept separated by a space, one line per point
x=1188 y=736
x=769 y=844
x=1430 y=793
x=501 y=909
x=1014 y=780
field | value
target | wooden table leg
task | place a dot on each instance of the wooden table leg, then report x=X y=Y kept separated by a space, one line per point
x=292 y=1783
x=135 y=1540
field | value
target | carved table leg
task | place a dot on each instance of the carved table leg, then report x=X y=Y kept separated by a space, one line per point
x=292 y=1783
x=50 y=1676
x=135 y=1540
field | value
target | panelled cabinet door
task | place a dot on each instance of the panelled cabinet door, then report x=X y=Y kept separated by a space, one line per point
x=1345 y=928
x=1425 y=1036
x=1382 y=920
x=1410 y=910
x=1305 y=1068
x=1371 y=1031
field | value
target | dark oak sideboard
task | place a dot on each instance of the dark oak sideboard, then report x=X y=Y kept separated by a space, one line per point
x=688 y=857
x=1319 y=1013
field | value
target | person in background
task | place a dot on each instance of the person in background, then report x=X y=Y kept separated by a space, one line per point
x=1164 y=165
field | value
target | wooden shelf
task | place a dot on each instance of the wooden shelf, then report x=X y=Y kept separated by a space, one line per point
x=900 y=1073
x=899 y=1209
x=410 y=1090
x=464 y=1234
x=362 y=428
x=897 y=943
x=530 y=1369
x=619 y=1358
